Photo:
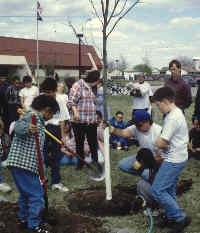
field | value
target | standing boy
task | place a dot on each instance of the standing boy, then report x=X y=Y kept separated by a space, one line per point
x=173 y=141
x=56 y=127
x=23 y=162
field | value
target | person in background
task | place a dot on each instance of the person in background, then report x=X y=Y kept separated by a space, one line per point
x=68 y=157
x=182 y=90
x=28 y=93
x=61 y=91
x=82 y=105
x=69 y=83
x=173 y=141
x=141 y=92
x=55 y=126
x=3 y=102
x=13 y=99
x=194 y=140
x=117 y=122
x=100 y=100
x=23 y=163
x=4 y=150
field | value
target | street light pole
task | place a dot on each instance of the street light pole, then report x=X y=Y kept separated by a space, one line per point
x=79 y=53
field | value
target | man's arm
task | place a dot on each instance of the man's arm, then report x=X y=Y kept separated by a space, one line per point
x=121 y=133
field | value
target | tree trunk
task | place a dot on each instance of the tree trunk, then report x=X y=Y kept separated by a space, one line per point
x=105 y=68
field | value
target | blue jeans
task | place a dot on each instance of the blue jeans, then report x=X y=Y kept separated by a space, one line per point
x=66 y=160
x=126 y=165
x=164 y=189
x=30 y=201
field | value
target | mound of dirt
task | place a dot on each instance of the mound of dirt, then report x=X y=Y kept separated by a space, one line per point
x=92 y=201
x=66 y=222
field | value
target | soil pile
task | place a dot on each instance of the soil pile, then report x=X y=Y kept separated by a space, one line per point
x=92 y=201
x=66 y=222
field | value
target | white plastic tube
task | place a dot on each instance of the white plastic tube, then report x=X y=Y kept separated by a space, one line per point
x=107 y=164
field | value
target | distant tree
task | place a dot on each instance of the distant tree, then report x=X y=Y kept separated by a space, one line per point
x=143 y=68
x=111 y=66
x=122 y=64
x=186 y=61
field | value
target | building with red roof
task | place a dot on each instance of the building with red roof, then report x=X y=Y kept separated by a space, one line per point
x=64 y=57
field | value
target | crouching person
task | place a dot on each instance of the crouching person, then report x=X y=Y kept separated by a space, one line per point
x=23 y=162
x=146 y=160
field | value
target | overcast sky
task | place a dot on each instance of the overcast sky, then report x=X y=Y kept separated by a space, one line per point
x=159 y=29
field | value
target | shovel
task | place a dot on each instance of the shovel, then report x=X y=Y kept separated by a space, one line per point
x=95 y=170
x=45 y=212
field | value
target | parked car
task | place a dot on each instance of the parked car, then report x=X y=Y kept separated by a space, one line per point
x=190 y=80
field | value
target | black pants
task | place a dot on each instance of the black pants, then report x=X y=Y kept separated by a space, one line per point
x=56 y=155
x=90 y=131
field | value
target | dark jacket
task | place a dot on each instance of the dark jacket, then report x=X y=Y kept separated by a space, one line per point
x=183 y=95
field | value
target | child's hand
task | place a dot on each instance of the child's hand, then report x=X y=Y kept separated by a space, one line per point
x=33 y=128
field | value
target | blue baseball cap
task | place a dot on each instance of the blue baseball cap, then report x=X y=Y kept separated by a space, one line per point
x=140 y=116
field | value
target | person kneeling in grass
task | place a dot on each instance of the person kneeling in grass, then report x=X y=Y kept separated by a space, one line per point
x=173 y=141
x=146 y=132
x=23 y=162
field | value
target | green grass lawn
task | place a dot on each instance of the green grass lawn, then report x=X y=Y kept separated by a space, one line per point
x=73 y=179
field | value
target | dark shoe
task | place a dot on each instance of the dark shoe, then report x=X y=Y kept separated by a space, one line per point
x=178 y=227
x=21 y=224
x=163 y=222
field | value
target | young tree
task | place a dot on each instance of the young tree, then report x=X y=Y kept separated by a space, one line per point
x=112 y=11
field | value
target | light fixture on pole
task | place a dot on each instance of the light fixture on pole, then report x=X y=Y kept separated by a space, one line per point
x=79 y=53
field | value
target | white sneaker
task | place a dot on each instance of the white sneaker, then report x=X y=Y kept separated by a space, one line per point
x=5 y=188
x=59 y=187
x=154 y=213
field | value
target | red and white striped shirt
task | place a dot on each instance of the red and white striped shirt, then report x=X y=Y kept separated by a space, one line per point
x=82 y=97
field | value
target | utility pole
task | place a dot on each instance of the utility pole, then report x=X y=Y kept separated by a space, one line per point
x=79 y=53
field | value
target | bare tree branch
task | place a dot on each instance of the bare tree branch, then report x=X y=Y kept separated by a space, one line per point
x=103 y=9
x=113 y=11
x=123 y=7
x=96 y=13
x=117 y=21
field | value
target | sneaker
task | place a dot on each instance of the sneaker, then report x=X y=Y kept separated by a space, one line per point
x=180 y=226
x=60 y=187
x=5 y=188
x=39 y=229
x=154 y=213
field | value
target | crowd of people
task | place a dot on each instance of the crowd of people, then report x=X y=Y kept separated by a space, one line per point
x=75 y=115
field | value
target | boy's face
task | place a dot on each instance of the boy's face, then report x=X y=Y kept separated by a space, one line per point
x=48 y=115
x=28 y=85
x=143 y=127
x=196 y=125
x=50 y=93
x=119 y=118
x=99 y=120
x=162 y=106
